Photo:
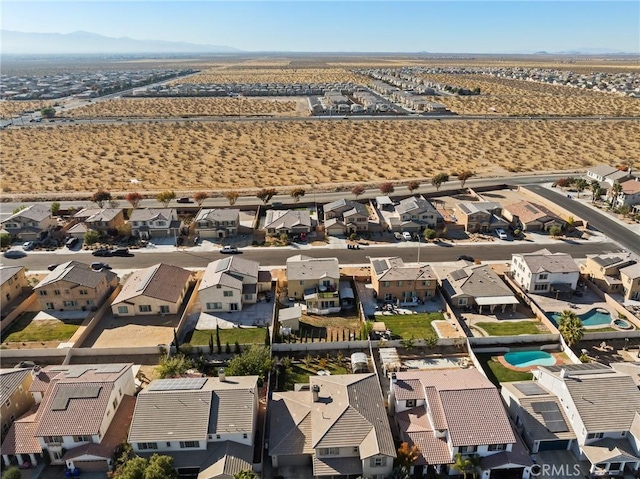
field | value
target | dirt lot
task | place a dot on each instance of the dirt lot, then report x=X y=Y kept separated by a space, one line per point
x=281 y=74
x=137 y=331
x=12 y=108
x=236 y=155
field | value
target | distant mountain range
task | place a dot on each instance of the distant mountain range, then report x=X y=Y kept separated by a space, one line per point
x=22 y=43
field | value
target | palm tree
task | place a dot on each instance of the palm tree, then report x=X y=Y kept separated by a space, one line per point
x=462 y=464
x=596 y=191
x=614 y=192
x=570 y=327
x=580 y=184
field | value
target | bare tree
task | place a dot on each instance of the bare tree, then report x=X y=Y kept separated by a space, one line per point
x=297 y=193
x=386 y=188
x=266 y=194
x=357 y=190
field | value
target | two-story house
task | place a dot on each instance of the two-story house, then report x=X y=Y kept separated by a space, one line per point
x=15 y=398
x=230 y=283
x=338 y=425
x=597 y=406
x=207 y=425
x=607 y=175
x=83 y=412
x=604 y=270
x=543 y=272
x=217 y=223
x=291 y=222
x=630 y=276
x=345 y=217
x=480 y=216
x=416 y=214
x=101 y=219
x=629 y=194
x=13 y=281
x=30 y=223
x=154 y=222
x=456 y=411
x=158 y=289
x=392 y=280
x=74 y=286
x=316 y=281
x=526 y=216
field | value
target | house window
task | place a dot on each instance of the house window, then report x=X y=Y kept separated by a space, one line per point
x=70 y=303
x=189 y=444
x=56 y=292
x=53 y=439
x=147 y=445
x=214 y=305
x=145 y=308
x=5 y=428
x=595 y=435
x=329 y=451
x=227 y=294
x=90 y=302
x=244 y=436
x=399 y=283
x=168 y=444
x=84 y=292
x=8 y=403
x=497 y=447
x=378 y=461
x=115 y=403
x=123 y=310
x=543 y=276
x=42 y=293
x=355 y=450
x=164 y=309
x=161 y=223
x=386 y=283
x=217 y=436
x=540 y=287
x=426 y=283
x=302 y=283
x=467 y=449
x=81 y=438
x=411 y=403
x=247 y=297
x=462 y=301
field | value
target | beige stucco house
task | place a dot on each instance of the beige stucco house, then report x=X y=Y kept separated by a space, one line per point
x=13 y=281
x=392 y=280
x=15 y=398
x=29 y=223
x=316 y=281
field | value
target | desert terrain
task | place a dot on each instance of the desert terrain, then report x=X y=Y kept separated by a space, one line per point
x=14 y=108
x=278 y=74
x=255 y=154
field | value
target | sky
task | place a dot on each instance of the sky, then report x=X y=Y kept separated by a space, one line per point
x=444 y=26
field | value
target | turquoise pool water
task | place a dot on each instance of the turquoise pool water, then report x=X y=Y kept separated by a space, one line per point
x=590 y=318
x=525 y=359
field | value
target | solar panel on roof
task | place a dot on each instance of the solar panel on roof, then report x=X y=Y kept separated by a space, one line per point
x=554 y=421
x=530 y=389
x=179 y=384
x=145 y=280
x=65 y=394
x=223 y=265
x=544 y=406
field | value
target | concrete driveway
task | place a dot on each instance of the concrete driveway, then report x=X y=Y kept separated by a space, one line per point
x=561 y=465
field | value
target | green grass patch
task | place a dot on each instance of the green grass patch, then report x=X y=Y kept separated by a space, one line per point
x=242 y=335
x=497 y=373
x=25 y=329
x=407 y=326
x=511 y=328
x=299 y=373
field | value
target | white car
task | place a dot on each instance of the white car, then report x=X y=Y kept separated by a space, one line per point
x=406 y=235
x=229 y=250
x=502 y=234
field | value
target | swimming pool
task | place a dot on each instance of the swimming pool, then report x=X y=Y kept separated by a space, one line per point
x=525 y=359
x=594 y=317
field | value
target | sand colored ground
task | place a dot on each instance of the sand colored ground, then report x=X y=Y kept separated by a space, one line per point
x=235 y=155
x=287 y=74
x=13 y=108
x=196 y=107
x=501 y=96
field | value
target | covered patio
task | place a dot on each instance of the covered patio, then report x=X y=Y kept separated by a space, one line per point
x=494 y=301
x=610 y=456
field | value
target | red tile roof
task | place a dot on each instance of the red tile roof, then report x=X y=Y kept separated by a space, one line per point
x=415 y=427
x=21 y=438
x=408 y=389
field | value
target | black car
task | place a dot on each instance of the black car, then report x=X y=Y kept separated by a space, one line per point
x=71 y=242
x=121 y=252
x=184 y=199
x=103 y=252
x=14 y=254
x=51 y=267
x=98 y=266
x=465 y=257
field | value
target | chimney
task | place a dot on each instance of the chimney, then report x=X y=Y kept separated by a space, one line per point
x=394 y=378
x=35 y=371
x=315 y=391
x=221 y=375
x=564 y=373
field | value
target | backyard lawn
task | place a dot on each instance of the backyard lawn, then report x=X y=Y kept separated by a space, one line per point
x=299 y=372
x=407 y=326
x=512 y=328
x=25 y=329
x=241 y=335
x=497 y=373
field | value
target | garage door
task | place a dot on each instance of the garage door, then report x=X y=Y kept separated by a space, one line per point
x=301 y=460
x=99 y=465
x=553 y=445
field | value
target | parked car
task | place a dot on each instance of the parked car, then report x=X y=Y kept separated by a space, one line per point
x=465 y=257
x=28 y=246
x=406 y=236
x=229 y=250
x=184 y=199
x=71 y=242
x=51 y=267
x=14 y=254
x=502 y=234
x=104 y=252
x=397 y=236
x=121 y=252
x=99 y=265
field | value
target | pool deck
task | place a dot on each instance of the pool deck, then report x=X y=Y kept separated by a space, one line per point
x=557 y=355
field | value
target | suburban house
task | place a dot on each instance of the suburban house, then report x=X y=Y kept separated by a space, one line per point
x=30 y=223
x=291 y=222
x=345 y=217
x=154 y=222
x=337 y=425
x=101 y=219
x=392 y=280
x=316 y=281
x=15 y=398
x=479 y=216
x=456 y=411
x=13 y=281
x=526 y=216
x=602 y=428
x=604 y=270
x=607 y=175
x=217 y=223
x=544 y=272
x=629 y=195
x=206 y=424
x=477 y=286
x=230 y=283
x=75 y=286
x=157 y=289
x=630 y=276
x=289 y=318
x=83 y=412
x=415 y=214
